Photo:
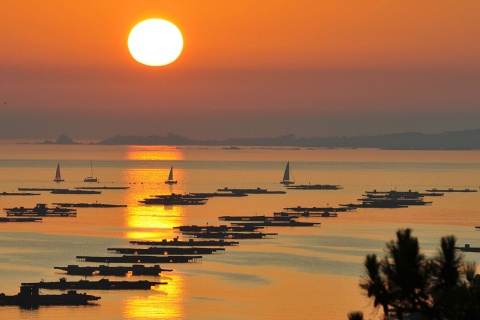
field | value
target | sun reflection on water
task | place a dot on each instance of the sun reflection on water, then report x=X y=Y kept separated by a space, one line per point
x=152 y=222
x=154 y=153
x=165 y=302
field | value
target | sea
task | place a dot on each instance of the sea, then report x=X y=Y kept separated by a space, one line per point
x=299 y=273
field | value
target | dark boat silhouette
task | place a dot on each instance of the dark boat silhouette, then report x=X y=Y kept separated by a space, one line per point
x=103 y=284
x=41 y=210
x=103 y=270
x=29 y=297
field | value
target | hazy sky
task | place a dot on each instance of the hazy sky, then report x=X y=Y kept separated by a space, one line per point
x=248 y=68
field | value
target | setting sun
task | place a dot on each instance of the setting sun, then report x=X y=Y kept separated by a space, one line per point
x=155 y=42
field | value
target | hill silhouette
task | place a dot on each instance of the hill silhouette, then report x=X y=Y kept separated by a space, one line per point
x=448 y=140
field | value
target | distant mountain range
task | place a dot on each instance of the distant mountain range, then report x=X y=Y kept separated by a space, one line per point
x=449 y=140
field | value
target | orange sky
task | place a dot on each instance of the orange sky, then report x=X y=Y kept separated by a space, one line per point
x=248 y=68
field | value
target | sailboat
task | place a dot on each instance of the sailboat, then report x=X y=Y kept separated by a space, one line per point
x=91 y=178
x=170 y=177
x=58 y=177
x=286 y=176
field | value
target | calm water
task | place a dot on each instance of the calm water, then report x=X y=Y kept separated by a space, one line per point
x=301 y=273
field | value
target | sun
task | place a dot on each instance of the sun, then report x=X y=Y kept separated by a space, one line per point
x=155 y=42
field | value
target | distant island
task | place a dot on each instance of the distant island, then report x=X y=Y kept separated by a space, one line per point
x=448 y=140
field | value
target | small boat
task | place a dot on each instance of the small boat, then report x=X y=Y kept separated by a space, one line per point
x=58 y=177
x=286 y=176
x=29 y=297
x=91 y=178
x=170 y=177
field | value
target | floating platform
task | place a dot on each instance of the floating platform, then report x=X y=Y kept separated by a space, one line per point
x=468 y=248
x=74 y=191
x=29 y=297
x=319 y=214
x=36 y=189
x=28 y=219
x=103 y=270
x=19 y=194
x=222 y=228
x=217 y=194
x=88 y=205
x=451 y=190
x=250 y=191
x=103 y=284
x=230 y=235
x=191 y=242
x=254 y=218
x=174 y=199
x=290 y=223
x=167 y=250
x=315 y=187
x=141 y=259
x=318 y=209
x=101 y=188
x=41 y=210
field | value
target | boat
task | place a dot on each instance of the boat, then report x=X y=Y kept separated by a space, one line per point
x=76 y=191
x=41 y=210
x=58 y=177
x=103 y=270
x=103 y=284
x=29 y=297
x=286 y=176
x=170 y=177
x=91 y=178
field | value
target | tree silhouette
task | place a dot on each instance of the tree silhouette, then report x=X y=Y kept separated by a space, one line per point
x=406 y=283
